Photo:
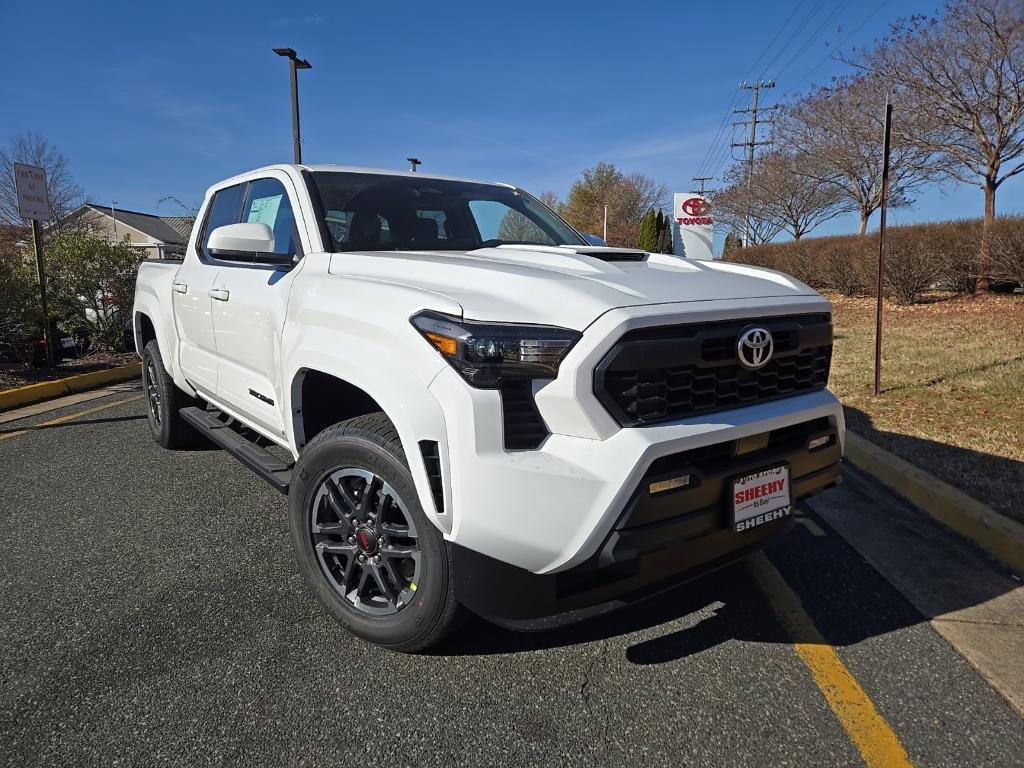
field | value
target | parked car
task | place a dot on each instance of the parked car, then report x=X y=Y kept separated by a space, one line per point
x=524 y=426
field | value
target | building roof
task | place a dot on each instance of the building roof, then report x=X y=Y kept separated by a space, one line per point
x=180 y=224
x=155 y=226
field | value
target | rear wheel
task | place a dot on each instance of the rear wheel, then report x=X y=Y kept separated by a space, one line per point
x=163 y=400
x=362 y=542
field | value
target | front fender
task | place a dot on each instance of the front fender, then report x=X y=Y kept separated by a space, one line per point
x=360 y=334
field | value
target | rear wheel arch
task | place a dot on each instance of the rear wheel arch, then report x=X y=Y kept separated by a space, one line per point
x=145 y=331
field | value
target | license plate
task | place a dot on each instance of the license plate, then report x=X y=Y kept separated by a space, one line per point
x=760 y=498
x=67 y=342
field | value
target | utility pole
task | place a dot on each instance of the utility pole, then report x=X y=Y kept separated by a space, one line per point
x=700 y=180
x=605 y=238
x=752 y=142
x=413 y=162
x=295 y=64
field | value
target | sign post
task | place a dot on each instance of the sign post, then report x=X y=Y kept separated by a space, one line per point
x=34 y=204
x=881 y=246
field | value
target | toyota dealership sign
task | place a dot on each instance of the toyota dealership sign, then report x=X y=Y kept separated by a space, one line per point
x=692 y=226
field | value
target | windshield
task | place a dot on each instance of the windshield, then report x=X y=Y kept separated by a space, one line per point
x=379 y=212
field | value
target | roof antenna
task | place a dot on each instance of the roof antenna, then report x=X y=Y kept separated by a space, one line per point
x=413 y=162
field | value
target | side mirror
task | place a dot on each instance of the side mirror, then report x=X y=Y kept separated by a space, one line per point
x=252 y=242
x=594 y=239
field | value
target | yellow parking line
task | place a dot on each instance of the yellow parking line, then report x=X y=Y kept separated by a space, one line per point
x=70 y=417
x=867 y=729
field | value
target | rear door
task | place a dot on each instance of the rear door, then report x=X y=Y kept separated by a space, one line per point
x=249 y=306
x=197 y=349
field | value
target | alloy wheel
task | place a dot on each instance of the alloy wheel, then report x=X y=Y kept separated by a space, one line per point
x=152 y=392
x=365 y=541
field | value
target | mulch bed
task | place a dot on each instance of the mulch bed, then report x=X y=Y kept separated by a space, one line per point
x=18 y=374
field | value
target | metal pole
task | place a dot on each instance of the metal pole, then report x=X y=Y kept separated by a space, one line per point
x=881 y=247
x=37 y=245
x=296 y=136
x=112 y=216
x=605 y=225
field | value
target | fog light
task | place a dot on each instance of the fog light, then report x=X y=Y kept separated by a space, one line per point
x=818 y=442
x=668 y=485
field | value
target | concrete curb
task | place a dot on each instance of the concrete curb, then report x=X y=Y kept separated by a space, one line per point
x=47 y=390
x=999 y=535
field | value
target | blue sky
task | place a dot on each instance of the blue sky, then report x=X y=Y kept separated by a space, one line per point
x=148 y=102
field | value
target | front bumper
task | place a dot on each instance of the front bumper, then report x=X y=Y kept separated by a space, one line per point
x=551 y=509
x=658 y=540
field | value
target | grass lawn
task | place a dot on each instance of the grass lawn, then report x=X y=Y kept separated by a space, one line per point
x=952 y=397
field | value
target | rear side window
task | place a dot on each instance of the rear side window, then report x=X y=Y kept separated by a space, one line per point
x=225 y=209
x=267 y=202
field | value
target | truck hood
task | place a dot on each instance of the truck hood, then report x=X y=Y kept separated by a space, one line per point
x=568 y=287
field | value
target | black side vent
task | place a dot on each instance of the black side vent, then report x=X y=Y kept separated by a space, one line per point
x=432 y=461
x=524 y=427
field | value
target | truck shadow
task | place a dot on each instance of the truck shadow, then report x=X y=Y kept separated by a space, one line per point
x=847 y=599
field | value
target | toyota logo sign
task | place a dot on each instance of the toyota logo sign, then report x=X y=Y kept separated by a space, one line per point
x=696 y=206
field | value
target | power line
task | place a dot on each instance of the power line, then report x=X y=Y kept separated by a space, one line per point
x=815 y=35
x=796 y=33
x=842 y=42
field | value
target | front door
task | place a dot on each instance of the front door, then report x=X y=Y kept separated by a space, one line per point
x=249 y=306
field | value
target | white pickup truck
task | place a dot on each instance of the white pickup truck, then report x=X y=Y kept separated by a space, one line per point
x=472 y=408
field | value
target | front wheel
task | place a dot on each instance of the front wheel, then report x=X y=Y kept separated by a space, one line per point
x=362 y=541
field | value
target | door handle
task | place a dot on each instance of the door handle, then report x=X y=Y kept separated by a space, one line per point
x=220 y=294
x=179 y=287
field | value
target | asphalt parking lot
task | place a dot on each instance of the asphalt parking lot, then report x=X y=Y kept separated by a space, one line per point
x=152 y=615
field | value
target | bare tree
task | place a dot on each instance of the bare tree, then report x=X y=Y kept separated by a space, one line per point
x=34 y=149
x=838 y=130
x=786 y=187
x=628 y=197
x=550 y=199
x=738 y=208
x=964 y=74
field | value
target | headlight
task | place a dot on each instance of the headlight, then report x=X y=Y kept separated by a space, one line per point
x=490 y=354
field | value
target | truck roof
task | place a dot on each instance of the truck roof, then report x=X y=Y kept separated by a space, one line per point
x=358 y=169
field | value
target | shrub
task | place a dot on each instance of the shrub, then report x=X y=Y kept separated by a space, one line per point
x=92 y=282
x=911 y=266
x=918 y=257
x=20 y=321
x=1008 y=250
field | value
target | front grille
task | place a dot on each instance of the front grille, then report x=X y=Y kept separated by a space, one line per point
x=674 y=372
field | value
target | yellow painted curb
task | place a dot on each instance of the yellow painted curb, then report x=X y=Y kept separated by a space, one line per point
x=47 y=390
x=998 y=534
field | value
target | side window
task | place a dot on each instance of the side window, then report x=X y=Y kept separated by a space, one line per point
x=225 y=208
x=267 y=202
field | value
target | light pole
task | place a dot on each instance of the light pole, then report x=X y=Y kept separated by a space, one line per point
x=413 y=162
x=605 y=225
x=112 y=204
x=295 y=64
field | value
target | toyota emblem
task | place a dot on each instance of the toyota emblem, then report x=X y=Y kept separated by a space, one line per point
x=696 y=206
x=755 y=348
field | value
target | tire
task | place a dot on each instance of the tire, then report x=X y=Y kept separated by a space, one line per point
x=404 y=603
x=163 y=400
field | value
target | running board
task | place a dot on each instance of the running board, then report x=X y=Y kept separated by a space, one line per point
x=259 y=460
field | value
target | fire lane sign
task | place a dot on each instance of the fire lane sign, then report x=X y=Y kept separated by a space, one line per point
x=33 y=198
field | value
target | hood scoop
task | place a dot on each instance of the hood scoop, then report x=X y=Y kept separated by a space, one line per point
x=605 y=253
